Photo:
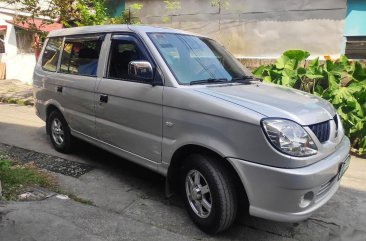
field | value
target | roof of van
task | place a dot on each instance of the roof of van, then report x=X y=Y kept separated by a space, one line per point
x=111 y=28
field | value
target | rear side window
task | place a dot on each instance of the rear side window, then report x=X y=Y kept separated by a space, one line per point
x=80 y=56
x=51 y=54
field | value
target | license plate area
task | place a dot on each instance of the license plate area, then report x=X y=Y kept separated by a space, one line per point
x=343 y=167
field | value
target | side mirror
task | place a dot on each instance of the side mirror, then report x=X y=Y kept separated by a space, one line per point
x=140 y=70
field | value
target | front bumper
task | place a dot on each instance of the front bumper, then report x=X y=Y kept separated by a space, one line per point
x=278 y=193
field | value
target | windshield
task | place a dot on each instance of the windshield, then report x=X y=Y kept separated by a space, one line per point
x=196 y=60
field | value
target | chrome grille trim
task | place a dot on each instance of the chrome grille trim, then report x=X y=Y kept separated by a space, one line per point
x=335 y=118
x=321 y=130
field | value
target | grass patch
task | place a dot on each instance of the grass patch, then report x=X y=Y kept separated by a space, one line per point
x=15 y=178
x=10 y=100
x=20 y=102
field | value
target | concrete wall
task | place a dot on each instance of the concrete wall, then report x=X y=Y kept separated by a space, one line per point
x=258 y=28
x=21 y=67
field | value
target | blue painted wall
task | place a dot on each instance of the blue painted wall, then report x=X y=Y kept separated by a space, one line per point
x=355 y=23
x=115 y=7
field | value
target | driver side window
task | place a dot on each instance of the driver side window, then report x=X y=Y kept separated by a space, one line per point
x=121 y=54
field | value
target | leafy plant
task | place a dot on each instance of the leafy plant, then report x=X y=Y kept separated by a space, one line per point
x=65 y=11
x=4 y=164
x=341 y=82
x=220 y=4
x=128 y=16
x=91 y=12
x=171 y=6
x=73 y=13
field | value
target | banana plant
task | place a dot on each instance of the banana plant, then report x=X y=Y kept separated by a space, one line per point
x=342 y=82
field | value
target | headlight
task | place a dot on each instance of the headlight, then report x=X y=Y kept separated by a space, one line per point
x=289 y=137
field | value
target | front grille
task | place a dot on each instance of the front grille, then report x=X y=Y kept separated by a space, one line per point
x=321 y=130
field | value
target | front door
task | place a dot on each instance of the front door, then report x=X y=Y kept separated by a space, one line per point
x=128 y=111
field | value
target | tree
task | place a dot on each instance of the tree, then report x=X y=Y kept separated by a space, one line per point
x=69 y=12
x=91 y=12
x=128 y=16
x=220 y=4
x=172 y=6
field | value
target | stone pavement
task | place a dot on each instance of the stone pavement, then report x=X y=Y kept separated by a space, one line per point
x=14 y=91
x=129 y=203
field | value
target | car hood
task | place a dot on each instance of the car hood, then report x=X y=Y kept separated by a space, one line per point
x=274 y=101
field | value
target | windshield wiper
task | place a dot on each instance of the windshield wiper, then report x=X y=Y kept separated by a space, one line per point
x=243 y=79
x=209 y=81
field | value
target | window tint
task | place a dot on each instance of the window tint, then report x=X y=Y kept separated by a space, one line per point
x=80 y=56
x=122 y=53
x=51 y=54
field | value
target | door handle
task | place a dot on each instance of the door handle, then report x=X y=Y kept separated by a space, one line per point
x=59 y=89
x=103 y=98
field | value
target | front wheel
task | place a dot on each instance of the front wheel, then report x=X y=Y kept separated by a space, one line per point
x=59 y=132
x=208 y=192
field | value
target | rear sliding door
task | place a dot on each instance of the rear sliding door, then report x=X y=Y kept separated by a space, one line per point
x=78 y=79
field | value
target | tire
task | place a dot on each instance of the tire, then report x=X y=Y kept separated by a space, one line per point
x=59 y=132
x=221 y=195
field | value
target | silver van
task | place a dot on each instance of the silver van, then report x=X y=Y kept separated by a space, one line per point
x=181 y=105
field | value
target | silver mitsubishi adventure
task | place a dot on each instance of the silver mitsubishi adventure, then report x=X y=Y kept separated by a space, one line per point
x=181 y=105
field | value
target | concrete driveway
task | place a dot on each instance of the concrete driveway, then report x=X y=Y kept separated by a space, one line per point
x=129 y=202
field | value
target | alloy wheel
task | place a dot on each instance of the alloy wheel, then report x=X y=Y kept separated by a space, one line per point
x=198 y=193
x=57 y=131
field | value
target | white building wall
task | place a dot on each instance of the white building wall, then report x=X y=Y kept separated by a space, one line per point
x=10 y=38
x=18 y=66
x=21 y=67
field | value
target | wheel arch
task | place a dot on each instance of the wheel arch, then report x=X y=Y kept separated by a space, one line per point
x=49 y=109
x=178 y=159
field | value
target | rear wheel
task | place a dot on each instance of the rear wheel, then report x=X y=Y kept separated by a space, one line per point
x=59 y=132
x=208 y=192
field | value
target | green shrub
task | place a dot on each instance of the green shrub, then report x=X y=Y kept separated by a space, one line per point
x=341 y=82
